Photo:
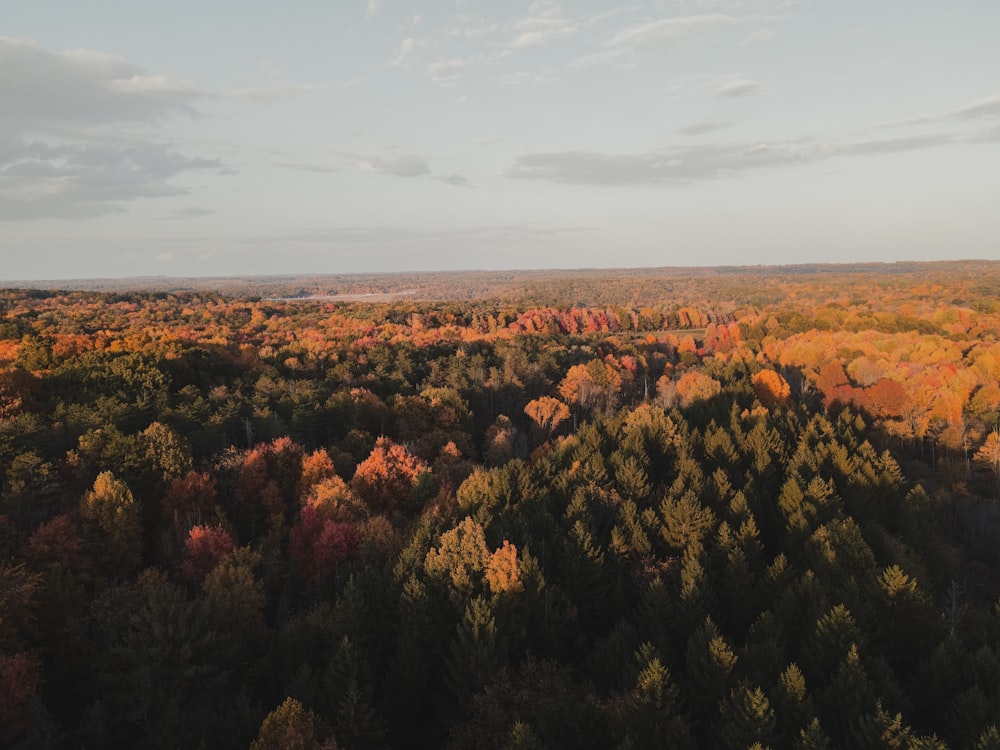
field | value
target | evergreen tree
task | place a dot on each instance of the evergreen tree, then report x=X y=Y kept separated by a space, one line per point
x=291 y=727
x=812 y=737
x=710 y=662
x=349 y=691
x=649 y=714
x=475 y=654
x=745 y=718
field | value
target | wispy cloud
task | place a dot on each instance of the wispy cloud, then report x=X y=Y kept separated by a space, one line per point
x=308 y=167
x=895 y=145
x=702 y=127
x=270 y=92
x=408 y=52
x=456 y=180
x=760 y=36
x=989 y=107
x=425 y=55
x=688 y=164
x=667 y=33
x=544 y=23
x=985 y=109
x=529 y=77
x=735 y=89
x=191 y=212
x=447 y=72
x=395 y=164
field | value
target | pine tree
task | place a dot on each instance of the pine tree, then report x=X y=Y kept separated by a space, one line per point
x=834 y=635
x=794 y=708
x=710 y=663
x=736 y=582
x=649 y=714
x=848 y=701
x=812 y=737
x=906 y=626
x=417 y=665
x=989 y=739
x=633 y=483
x=291 y=727
x=746 y=717
x=349 y=687
x=685 y=521
x=475 y=654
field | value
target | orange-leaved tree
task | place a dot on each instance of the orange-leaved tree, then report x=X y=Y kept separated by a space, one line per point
x=388 y=477
x=547 y=412
x=771 y=388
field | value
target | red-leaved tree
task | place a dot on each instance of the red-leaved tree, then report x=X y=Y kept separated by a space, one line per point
x=203 y=548
x=318 y=544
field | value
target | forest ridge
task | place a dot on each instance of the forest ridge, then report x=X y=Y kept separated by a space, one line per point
x=598 y=285
x=721 y=508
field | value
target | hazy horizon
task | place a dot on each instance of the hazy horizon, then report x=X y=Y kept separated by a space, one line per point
x=184 y=141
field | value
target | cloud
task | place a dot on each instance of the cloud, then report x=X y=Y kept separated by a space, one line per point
x=388 y=239
x=398 y=165
x=374 y=6
x=986 y=109
x=760 y=36
x=682 y=165
x=598 y=58
x=84 y=87
x=718 y=86
x=544 y=23
x=447 y=72
x=472 y=30
x=735 y=89
x=409 y=50
x=990 y=135
x=668 y=33
x=454 y=179
x=989 y=107
x=270 y=92
x=446 y=57
x=423 y=54
x=695 y=82
x=528 y=77
x=38 y=180
x=308 y=167
x=895 y=145
x=540 y=29
x=191 y=212
x=62 y=152
x=702 y=127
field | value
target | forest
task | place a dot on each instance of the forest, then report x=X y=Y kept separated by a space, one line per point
x=703 y=508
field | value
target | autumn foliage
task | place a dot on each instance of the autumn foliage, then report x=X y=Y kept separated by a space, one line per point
x=547 y=412
x=387 y=478
x=771 y=388
x=318 y=543
x=203 y=548
x=669 y=508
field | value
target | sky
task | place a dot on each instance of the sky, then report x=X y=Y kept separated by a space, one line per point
x=140 y=137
